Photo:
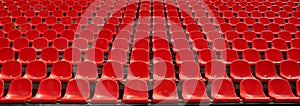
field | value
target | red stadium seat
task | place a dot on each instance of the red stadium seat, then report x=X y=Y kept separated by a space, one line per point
x=267 y=35
x=290 y=70
x=13 y=35
x=279 y=44
x=160 y=44
x=106 y=34
x=274 y=27
x=274 y=55
x=106 y=91
x=240 y=70
x=199 y=44
x=215 y=69
x=163 y=70
x=60 y=44
x=27 y=55
x=194 y=90
x=251 y=55
x=213 y=35
x=113 y=70
x=251 y=90
x=77 y=91
x=292 y=54
x=20 y=43
x=49 y=55
x=265 y=70
x=222 y=90
x=95 y=55
x=135 y=91
x=87 y=34
x=195 y=35
x=62 y=71
x=239 y=44
x=295 y=43
x=184 y=55
x=121 y=43
x=68 y=34
x=141 y=34
x=205 y=55
x=285 y=35
x=125 y=34
x=280 y=91
x=81 y=44
x=189 y=70
x=290 y=28
x=241 y=27
x=49 y=91
x=72 y=55
x=102 y=44
x=87 y=70
x=259 y=44
x=11 y=70
x=118 y=55
x=164 y=91
x=229 y=56
x=162 y=54
x=32 y=34
x=177 y=35
x=230 y=35
x=40 y=43
x=225 y=27
x=134 y=71
x=141 y=44
x=249 y=35
x=220 y=44
x=50 y=35
x=4 y=42
x=6 y=54
x=36 y=71
x=20 y=90
x=140 y=55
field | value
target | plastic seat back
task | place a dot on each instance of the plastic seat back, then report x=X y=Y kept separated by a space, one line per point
x=96 y=55
x=189 y=70
x=292 y=54
x=240 y=70
x=20 y=90
x=77 y=91
x=206 y=55
x=280 y=91
x=106 y=91
x=164 y=91
x=138 y=70
x=163 y=70
x=290 y=70
x=140 y=55
x=265 y=70
x=62 y=71
x=72 y=55
x=194 y=90
x=87 y=70
x=251 y=90
x=215 y=69
x=135 y=91
x=222 y=90
x=162 y=54
x=27 y=55
x=11 y=70
x=113 y=70
x=49 y=90
x=36 y=71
